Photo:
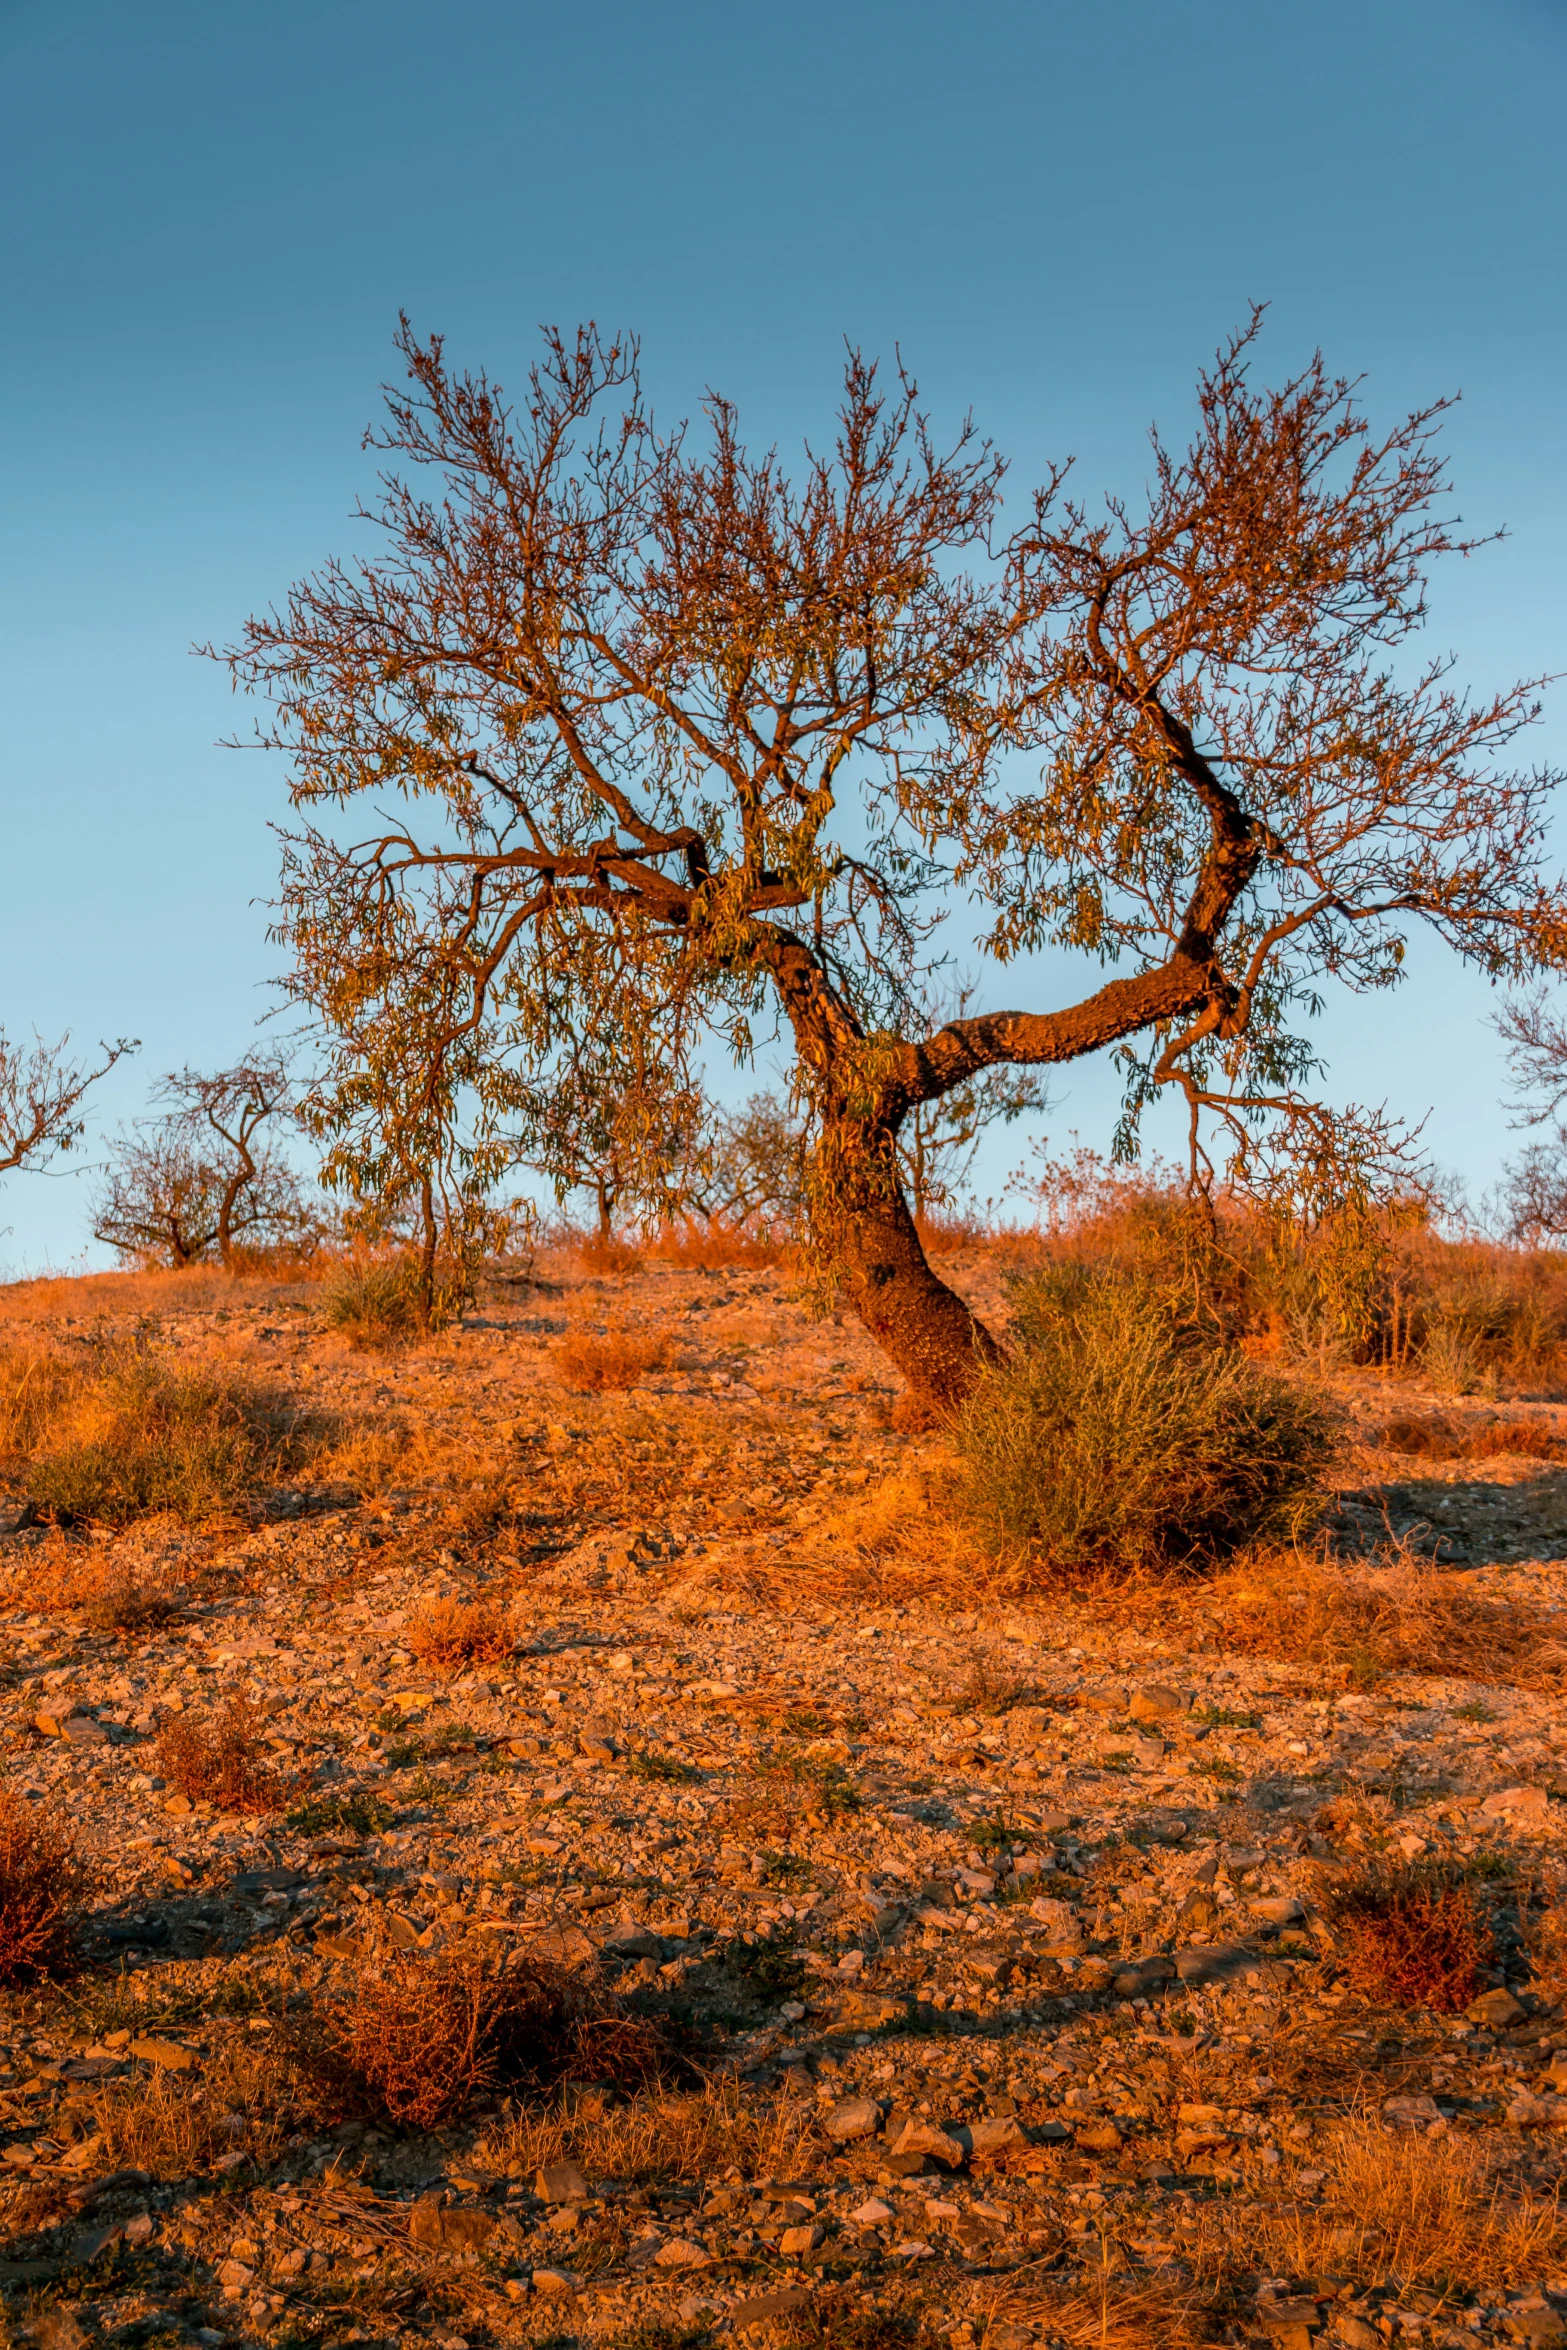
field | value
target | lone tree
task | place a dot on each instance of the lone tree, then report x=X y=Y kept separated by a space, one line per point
x=686 y=741
x=41 y=1093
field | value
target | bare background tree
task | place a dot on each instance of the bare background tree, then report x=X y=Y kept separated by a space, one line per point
x=201 y=1179
x=1533 y=1191
x=41 y=1093
x=683 y=744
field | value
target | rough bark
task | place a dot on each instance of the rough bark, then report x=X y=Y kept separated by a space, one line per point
x=923 y=1326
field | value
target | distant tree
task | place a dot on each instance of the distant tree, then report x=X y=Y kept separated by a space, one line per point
x=200 y=1179
x=1533 y=1193
x=682 y=742
x=41 y=1092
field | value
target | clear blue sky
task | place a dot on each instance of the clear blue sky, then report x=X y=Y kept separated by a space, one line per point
x=210 y=216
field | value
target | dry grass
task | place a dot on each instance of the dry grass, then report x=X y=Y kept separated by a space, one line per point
x=657 y=2136
x=1403 y=1616
x=125 y=1588
x=1411 y=1937
x=258 y=1277
x=175 y=2128
x=42 y=1886
x=1440 y=1439
x=593 y=1363
x=720 y=1247
x=450 y=1633
x=223 y=1761
x=1107 y=2312
x=109 y=1434
x=1439 y=2212
x=420 y=2040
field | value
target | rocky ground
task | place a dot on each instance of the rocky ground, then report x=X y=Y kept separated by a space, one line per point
x=1000 y=1931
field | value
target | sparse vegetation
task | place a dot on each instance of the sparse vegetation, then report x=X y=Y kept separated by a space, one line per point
x=1114 y=1444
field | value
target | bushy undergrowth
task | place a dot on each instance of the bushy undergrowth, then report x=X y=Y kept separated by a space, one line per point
x=449 y=1633
x=116 y=1433
x=595 y=1363
x=1117 y=1439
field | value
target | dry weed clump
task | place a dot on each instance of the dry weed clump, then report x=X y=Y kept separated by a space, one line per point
x=42 y=1887
x=223 y=1762
x=657 y=2135
x=1113 y=1442
x=111 y=1434
x=1412 y=1937
x=1113 y=2312
x=1400 y=1616
x=450 y=1633
x=593 y=1364
x=420 y=2040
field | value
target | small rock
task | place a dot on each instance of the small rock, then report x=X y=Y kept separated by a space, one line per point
x=1525 y=1802
x=1063 y=1928
x=1540 y=2326
x=554 y=2280
x=872 y=2214
x=1278 y=1909
x=1355 y=2334
x=794 y=2243
x=679 y=2253
x=234 y=2276
x=168 y=2055
x=1098 y=2137
x=560 y=2182
x=917 y=2137
x=1409 y=2113
x=765 y=2305
x=856 y=2117
x=1143 y=1976
x=995 y=2133
x=562 y=1946
x=1495 y=2010
x=1157 y=1703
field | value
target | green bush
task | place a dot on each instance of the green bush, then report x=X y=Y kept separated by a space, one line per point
x=373 y=1303
x=1116 y=1439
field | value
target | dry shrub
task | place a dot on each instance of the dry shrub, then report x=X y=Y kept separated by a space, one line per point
x=592 y=1364
x=448 y=1633
x=116 y=1433
x=114 y=1589
x=255 y=1277
x=1113 y=1442
x=1412 y=1937
x=373 y=1303
x=42 y=1886
x=1431 y=2211
x=945 y=1231
x=1545 y=1939
x=420 y=2040
x=223 y=1761
x=656 y=2136
x=1401 y=1616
